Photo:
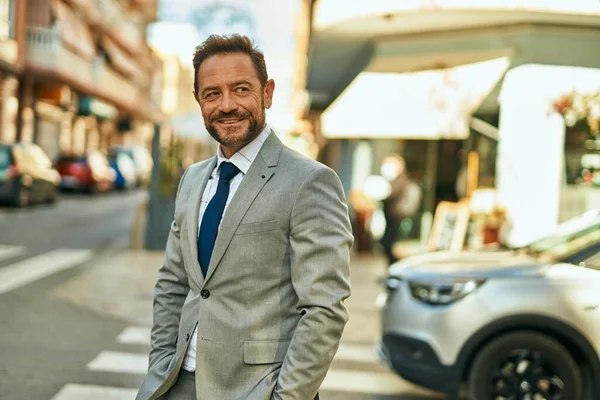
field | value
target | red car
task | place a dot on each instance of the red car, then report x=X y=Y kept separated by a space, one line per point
x=90 y=172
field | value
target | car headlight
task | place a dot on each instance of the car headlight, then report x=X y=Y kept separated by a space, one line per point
x=391 y=283
x=445 y=292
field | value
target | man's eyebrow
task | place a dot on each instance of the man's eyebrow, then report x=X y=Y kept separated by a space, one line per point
x=242 y=82
x=235 y=83
x=208 y=88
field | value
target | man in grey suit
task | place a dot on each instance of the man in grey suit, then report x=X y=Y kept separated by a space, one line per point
x=249 y=303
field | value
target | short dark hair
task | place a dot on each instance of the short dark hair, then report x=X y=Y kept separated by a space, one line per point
x=228 y=44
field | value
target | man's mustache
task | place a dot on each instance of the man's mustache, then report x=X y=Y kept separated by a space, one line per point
x=233 y=114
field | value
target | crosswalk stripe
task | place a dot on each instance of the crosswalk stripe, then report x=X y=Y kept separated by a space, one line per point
x=377 y=383
x=135 y=335
x=7 y=251
x=32 y=269
x=115 y=361
x=73 y=391
x=356 y=353
x=346 y=352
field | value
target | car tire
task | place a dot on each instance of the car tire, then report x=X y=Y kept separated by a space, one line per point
x=52 y=196
x=524 y=362
x=23 y=198
x=92 y=189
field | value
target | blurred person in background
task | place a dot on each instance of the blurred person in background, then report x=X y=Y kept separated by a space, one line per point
x=402 y=202
x=249 y=302
x=461 y=179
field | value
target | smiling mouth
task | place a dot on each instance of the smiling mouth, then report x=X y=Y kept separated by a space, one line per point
x=229 y=121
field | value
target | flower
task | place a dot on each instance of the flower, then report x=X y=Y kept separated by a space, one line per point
x=571 y=118
x=564 y=103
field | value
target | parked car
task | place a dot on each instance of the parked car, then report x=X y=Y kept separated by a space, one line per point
x=124 y=167
x=518 y=324
x=90 y=172
x=141 y=158
x=26 y=175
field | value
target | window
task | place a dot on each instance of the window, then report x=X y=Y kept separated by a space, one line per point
x=39 y=156
x=593 y=261
x=570 y=238
x=5 y=158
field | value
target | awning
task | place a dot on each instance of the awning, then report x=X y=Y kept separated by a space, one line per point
x=75 y=32
x=422 y=105
x=92 y=106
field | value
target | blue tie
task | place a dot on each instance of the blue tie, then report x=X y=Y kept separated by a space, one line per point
x=209 y=227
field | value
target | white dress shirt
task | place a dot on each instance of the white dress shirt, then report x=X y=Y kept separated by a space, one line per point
x=242 y=159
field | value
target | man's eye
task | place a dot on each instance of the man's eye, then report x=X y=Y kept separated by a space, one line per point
x=241 y=89
x=211 y=94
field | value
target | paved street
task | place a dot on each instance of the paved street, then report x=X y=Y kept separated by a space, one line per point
x=76 y=221
x=75 y=309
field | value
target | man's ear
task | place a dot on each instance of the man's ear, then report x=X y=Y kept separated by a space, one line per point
x=268 y=93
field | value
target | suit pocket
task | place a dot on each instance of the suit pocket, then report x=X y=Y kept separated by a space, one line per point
x=265 y=351
x=256 y=227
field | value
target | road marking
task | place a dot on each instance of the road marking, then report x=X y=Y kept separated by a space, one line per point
x=356 y=353
x=32 y=269
x=73 y=391
x=115 y=361
x=364 y=382
x=377 y=383
x=135 y=335
x=346 y=352
x=7 y=251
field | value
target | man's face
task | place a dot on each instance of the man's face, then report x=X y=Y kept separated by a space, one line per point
x=232 y=100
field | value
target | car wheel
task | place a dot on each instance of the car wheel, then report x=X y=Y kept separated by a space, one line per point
x=525 y=366
x=23 y=198
x=92 y=189
x=52 y=196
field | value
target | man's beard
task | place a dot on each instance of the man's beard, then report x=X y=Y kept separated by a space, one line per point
x=255 y=127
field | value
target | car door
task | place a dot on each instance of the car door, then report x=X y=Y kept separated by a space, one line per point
x=35 y=171
x=27 y=168
x=46 y=175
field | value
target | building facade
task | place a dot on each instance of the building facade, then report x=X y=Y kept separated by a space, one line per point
x=85 y=77
x=428 y=78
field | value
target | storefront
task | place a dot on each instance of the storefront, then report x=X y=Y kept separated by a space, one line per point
x=360 y=52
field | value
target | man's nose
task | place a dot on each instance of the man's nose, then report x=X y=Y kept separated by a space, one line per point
x=227 y=104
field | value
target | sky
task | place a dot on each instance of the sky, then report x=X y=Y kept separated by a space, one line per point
x=271 y=27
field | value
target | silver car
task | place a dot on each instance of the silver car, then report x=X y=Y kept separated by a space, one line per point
x=505 y=325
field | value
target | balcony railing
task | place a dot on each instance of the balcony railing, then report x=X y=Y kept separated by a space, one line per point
x=47 y=52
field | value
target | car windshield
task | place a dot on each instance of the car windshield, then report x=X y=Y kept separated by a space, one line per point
x=570 y=237
x=4 y=157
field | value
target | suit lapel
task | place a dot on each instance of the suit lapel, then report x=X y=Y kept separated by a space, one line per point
x=258 y=175
x=193 y=210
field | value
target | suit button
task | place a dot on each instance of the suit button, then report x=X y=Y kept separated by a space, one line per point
x=205 y=294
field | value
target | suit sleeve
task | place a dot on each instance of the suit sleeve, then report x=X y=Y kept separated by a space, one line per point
x=320 y=241
x=170 y=292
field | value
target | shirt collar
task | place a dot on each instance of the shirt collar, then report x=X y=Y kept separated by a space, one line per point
x=244 y=158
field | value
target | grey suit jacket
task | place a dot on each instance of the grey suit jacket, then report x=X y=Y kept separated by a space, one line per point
x=270 y=312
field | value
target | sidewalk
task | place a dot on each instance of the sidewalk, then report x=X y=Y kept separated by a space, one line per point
x=121 y=285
